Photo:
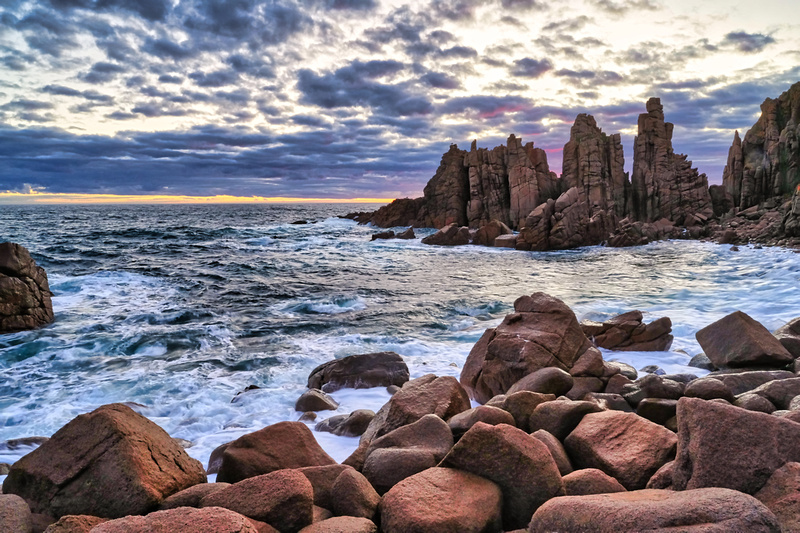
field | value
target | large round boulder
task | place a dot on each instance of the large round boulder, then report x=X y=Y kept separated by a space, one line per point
x=442 y=500
x=111 y=462
x=181 y=520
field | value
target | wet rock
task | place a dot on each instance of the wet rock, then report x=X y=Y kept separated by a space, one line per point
x=737 y=340
x=627 y=332
x=487 y=234
x=15 y=515
x=383 y=235
x=354 y=496
x=625 y=369
x=556 y=450
x=110 y=462
x=789 y=336
x=708 y=388
x=623 y=445
x=75 y=524
x=361 y=371
x=560 y=417
x=506 y=354
x=617 y=384
x=452 y=235
x=25 y=297
x=701 y=361
x=429 y=394
x=590 y=481
x=406 y=451
x=191 y=497
x=781 y=494
x=352 y=425
x=460 y=423
x=657 y=410
x=308 y=416
x=284 y=499
x=15 y=444
x=315 y=400
x=281 y=445
x=724 y=446
x=519 y=464
x=342 y=524
x=322 y=479
x=506 y=241
x=695 y=511
x=652 y=386
x=181 y=520
x=653 y=369
x=442 y=500
x=407 y=234
x=550 y=380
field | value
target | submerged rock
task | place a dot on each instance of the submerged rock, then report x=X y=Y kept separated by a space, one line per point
x=25 y=297
x=362 y=371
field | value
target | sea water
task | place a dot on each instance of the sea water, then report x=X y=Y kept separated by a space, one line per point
x=175 y=309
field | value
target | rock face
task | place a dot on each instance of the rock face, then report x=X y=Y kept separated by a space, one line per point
x=767 y=163
x=281 y=445
x=693 y=511
x=542 y=332
x=110 y=463
x=446 y=195
x=14 y=514
x=664 y=184
x=362 y=371
x=627 y=332
x=737 y=340
x=725 y=446
x=24 y=292
x=442 y=500
x=181 y=520
x=781 y=495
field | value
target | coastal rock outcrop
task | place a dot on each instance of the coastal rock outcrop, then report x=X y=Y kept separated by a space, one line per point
x=25 y=297
x=627 y=332
x=361 y=371
x=766 y=163
x=542 y=332
x=109 y=463
x=737 y=340
x=663 y=183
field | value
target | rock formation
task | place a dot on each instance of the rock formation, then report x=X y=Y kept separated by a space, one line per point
x=24 y=292
x=447 y=193
x=664 y=184
x=767 y=162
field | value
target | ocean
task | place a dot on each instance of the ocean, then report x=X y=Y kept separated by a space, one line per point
x=176 y=308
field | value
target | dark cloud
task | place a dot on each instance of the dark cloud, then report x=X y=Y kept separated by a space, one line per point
x=169 y=78
x=568 y=25
x=102 y=72
x=624 y=6
x=164 y=48
x=23 y=104
x=485 y=106
x=218 y=78
x=439 y=80
x=748 y=42
x=522 y=4
x=93 y=96
x=255 y=67
x=530 y=68
x=151 y=110
x=148 y=9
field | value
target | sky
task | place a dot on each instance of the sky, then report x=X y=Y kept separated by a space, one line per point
x=345 y=99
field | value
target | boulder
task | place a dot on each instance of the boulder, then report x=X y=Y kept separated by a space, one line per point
x=737 y=340
x=692 y=511
x=625 y=369
x=754 y=402
x=560 y=417
x=342 y=524
x=279 y=446
x=181 y=520
x=542 y=332
x=701 y=361
x=506 y=241
x=361 y=371
x=724 y=446
x=25 y=297
x=739 y=381
x=383 y=235
x=354 y=496
x=779 y=392
x=429 y=394
x=707 y=389
x=623 y=445
x=550 y=380
x=315 y=400
x=191 y=497
x=406 y=234
x=590 y=481
x=406 y=451
x=75 y=524
x=451 y=235
x=519 y=464
x=662 y=479
x=607 y=401
x=322 y=479
x=15 y=515
x=789 y=336
x=111 y=462
x=627 y=332
x=487 y=234
x=352 y=425
x=284 y=499
x=460 y=423
x=442 y=500
x=781 y=494
x=522 y=404
x=652 y=386
x=583 y=386
x=556 y=449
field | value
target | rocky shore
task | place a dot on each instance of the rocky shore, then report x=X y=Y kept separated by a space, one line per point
x=595 y=201
x=562 y=440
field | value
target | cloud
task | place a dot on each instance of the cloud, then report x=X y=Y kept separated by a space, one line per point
x=164 y=48
x=624 y=6
x=102 y=72
x=568 y=25
x=439 y=80
x=530 y=68
x=748 y=42
x=169 y=78
x=217 y=78
x=93 y=96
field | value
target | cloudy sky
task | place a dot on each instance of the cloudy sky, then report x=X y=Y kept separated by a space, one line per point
x=359 y=98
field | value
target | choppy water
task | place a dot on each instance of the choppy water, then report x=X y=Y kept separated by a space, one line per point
x=178 y=308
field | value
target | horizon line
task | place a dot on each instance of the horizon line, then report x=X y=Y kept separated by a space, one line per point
x=52 y=198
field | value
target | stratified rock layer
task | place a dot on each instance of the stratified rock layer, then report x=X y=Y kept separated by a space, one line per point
x=24 y=292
